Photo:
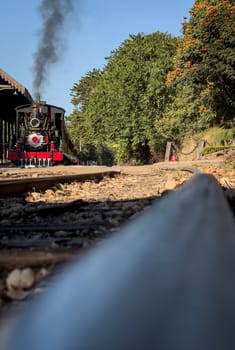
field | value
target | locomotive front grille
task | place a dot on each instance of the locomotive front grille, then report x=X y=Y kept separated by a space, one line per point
x=34 y=122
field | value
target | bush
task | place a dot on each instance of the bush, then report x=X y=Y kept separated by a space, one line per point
x=216 y=136
x=105 y=155
x=213 y=149
x=229 y=136
x=100 y=155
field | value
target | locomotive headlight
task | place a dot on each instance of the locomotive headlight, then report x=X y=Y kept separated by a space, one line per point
x=34 y=140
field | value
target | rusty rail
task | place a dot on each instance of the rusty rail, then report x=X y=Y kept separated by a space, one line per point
x=16 y=186
x=165 y=281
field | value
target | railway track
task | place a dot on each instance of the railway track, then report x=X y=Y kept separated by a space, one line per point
x=179 y=253
x=51 y=223
x=46 y=233
x=76 y=223
x=54 y=231
x=62 y=227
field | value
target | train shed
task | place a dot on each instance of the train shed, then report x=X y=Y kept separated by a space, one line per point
x=12 y=95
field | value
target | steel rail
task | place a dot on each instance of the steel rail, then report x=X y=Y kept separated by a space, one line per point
x=191 y=170
x=165 y=281
x=17 y=186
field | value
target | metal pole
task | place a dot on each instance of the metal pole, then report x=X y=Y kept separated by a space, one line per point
x=3 y=141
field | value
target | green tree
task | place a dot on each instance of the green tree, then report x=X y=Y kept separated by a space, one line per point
x=79 y=126
x=205 y=63
x=82 y=91
x=131 y=94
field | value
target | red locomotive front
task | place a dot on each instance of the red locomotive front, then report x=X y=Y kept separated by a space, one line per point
x=38 y=136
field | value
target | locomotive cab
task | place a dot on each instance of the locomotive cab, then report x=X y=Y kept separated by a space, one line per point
x=38 y=137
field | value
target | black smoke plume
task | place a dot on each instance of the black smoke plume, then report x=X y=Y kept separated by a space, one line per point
x=54 y=14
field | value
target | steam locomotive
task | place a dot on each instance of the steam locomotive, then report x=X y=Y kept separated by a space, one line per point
x=38 y=136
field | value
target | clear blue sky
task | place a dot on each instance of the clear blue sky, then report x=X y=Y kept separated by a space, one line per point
x=95 y=29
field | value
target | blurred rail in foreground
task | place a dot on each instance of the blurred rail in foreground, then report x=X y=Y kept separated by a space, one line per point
x=165 y=281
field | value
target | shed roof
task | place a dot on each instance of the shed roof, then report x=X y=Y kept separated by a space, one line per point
x=12 y=83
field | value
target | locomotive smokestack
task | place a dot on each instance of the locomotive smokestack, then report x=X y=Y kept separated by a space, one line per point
x=38 y=99
x=53 y=14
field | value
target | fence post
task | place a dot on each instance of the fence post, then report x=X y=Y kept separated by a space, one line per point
x=199 y=149
x=168 y=151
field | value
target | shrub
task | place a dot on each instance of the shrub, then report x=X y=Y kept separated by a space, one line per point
x=213 y=149
x=229 y=136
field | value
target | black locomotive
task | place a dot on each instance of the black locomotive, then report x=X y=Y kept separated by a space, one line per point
x=38 y=135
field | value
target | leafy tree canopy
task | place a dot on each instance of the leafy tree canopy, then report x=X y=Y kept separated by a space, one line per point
x=156 y=87
x=122 y=102
x=205 y=61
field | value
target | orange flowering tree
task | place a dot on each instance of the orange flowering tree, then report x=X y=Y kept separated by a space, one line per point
x=203 y=75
